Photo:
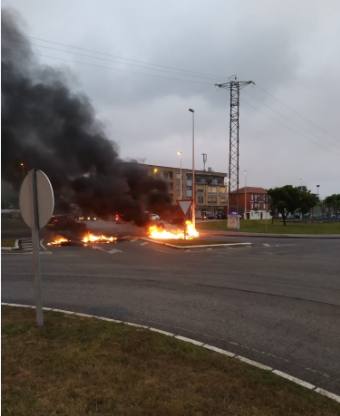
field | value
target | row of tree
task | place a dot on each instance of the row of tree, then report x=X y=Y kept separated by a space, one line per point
x=289 y=200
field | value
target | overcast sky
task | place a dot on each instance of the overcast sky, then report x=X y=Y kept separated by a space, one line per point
x=144 y=63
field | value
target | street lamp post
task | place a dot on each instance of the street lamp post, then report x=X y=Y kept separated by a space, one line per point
x=245 y=194
x=193 y=207
x=228 y=196
x=179 y=154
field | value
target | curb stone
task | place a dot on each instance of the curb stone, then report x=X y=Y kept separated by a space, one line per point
x=164 y=243
x=231 y=355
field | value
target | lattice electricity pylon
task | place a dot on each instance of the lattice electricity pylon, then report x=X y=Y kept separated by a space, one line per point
x=234 y=131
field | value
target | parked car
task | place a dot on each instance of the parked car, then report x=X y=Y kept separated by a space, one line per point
x=154 y=217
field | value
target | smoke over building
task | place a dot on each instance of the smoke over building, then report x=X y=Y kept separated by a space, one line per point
x=48 y=126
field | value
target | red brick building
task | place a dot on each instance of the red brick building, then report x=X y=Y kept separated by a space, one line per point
x=250 y=202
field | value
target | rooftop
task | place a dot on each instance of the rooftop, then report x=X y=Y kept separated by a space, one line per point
x=250 y=189
x=204 y=172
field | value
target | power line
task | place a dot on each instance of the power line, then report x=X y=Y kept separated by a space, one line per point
x=110 y=67
x=131 y=61
x=304 y=132
x=289 y=126
x=298 y=114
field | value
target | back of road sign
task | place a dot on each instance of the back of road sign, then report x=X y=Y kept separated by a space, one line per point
x=45 y=198
x=185 y=205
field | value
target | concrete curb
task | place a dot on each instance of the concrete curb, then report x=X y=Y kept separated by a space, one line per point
x=164 y=243
x=229 y=354
x=269 y=235
x=15 y=247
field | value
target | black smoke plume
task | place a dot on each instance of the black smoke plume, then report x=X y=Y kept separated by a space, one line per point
x=47 y=126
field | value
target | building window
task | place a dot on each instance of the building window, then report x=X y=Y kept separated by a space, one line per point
x=212 y=199
x=189 y=192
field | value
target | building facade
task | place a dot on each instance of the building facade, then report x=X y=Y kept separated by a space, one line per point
x=211 y=191
x=250 y=202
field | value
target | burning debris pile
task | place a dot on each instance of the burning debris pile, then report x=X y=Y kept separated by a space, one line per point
x=158 y=232
x=58 y=241
x=46 y=125
x=93 y=238
x=87 y=240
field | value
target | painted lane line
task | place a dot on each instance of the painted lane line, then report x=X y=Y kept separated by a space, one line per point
x=160 y=331
x=114 y=251
x=191 y=341
x=136 y=325
x=144 y=243
x=218 y=350
x=328 y=394
x=252 y=363
x=295 y=380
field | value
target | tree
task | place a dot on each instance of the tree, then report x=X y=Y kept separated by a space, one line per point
x=306 y=200
x=288 y=199
x=332 y=203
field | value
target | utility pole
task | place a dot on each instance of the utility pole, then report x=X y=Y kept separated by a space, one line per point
x=193 y=191
x=234 y=87
x=205 y=158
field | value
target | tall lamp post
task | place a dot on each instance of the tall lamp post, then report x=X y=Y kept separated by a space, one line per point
x=179 y=154
x=245 y=194
x=193 y=206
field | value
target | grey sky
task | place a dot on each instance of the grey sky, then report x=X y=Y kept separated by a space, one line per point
x=289 y=121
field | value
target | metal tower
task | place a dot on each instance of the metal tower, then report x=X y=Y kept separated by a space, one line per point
x=234 y=130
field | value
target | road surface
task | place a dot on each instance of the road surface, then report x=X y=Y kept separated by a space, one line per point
x=277 y=302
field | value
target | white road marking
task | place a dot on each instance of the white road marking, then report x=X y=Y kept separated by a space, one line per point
x=266 y=245
x=160 y=331
x=294 y=379
x=253 y=363
x=192 y=341
x=328 y=394
x=219 y=350
x=114 y=251
x=144 y=243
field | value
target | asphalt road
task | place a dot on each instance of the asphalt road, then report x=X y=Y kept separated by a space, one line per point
x=277 y=302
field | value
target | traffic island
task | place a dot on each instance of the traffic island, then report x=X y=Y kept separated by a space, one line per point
x=197 y=243
x=84 y=366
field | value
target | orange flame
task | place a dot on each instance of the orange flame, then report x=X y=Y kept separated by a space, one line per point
x=160 y=233
x=93 y=238
x=58 y=241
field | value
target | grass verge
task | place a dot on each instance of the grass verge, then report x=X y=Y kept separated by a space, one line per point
x=80 y=366
x=265 y=226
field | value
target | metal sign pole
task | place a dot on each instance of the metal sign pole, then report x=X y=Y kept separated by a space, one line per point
x=36 y=249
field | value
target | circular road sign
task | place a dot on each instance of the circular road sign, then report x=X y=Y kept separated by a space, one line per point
x=45 y=198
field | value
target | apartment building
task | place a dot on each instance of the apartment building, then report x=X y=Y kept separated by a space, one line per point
x=251 y=202
x=211 y=191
